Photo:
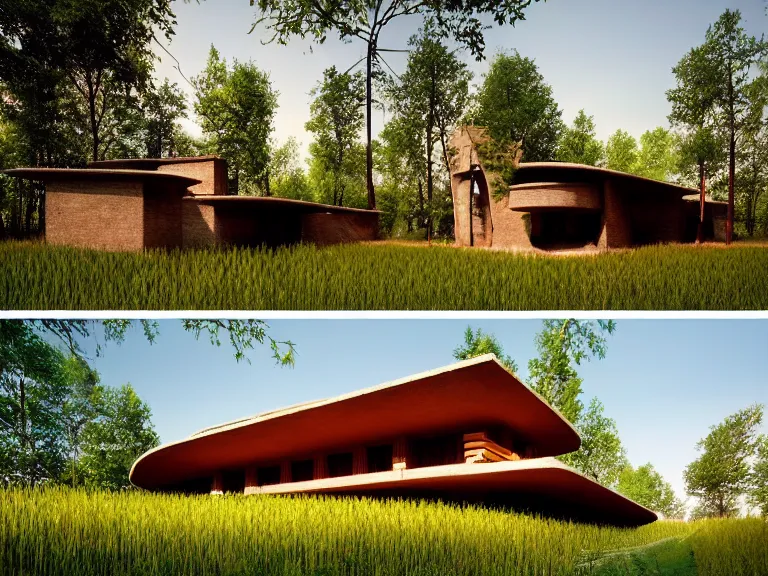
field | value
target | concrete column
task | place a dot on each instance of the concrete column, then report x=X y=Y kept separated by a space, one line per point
x=360 y=460
x=400 y=454
x=251 y=480
x=217 y=485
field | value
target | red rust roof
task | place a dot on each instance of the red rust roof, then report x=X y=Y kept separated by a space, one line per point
x=476 y=392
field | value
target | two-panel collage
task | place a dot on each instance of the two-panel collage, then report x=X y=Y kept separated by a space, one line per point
x=383 y=288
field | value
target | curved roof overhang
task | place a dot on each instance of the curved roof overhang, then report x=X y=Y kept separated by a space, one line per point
x=472 y=394
x=53 y=174
x=543 y=196
x=542 y=484
x=273 y=202
x=529 y=172
x=150 y=163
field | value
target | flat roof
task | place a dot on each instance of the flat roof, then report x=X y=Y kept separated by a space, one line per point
x=595 y=172
x=47 y=174
x=274 y=202
x=150 y=163
x=475 y=393
x=540 y=484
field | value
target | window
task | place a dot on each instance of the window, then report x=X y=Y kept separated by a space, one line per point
x=340 y=465
x=268 y=475
x=380 y=458
x=436 y=451
x=302 y=470
x=233 y=481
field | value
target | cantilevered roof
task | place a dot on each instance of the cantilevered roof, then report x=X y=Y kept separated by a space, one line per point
x=540 y=485
x=48 y=174
x=528 y=172
x=474 y=393
x=149 y=163
x=272 y=202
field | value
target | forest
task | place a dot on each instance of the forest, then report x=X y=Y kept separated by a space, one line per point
x=78 y=84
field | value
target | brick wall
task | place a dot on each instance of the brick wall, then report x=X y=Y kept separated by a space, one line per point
x=616 y=231
x=162 y=215
x=198 y=224
x=213 y=174
x=98 y=214
x=335 y=228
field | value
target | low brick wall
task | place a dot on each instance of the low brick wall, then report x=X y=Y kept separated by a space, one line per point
x=335 y=228
x=97 y=214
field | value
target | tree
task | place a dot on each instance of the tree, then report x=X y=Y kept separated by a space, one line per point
x=336 y=118
x=601 y=456
x=478 y=343
x=287 y=178
x=721 y=474
x=753 y=154
x=648 y=488
x=78 y=409
x=365 y=21
x=657 y=159
x=579 y=144
x=758 y=495
x=733 y=54
x=560 y=343
x=517 y=105
x=120 y=433
x=429 y=99
x=163 y=107
x=236 y=107
x=693 y=109
x=621 y=152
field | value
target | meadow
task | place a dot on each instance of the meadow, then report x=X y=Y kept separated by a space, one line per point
x=65 y=531
x=383 y=276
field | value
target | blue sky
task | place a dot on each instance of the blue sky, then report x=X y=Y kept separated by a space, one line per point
x=663 y=381
x=611 y=57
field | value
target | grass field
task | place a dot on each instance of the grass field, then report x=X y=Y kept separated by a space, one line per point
x=63 y=531
x=383 y=277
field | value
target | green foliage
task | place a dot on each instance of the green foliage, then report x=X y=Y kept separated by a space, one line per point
x=64 y=531
x=477 y=343
x=657 y=158
x=560 y=343
x=722 y=473
x=601 y=456
x=287 y=178
x=579 y=144
x=163 y=107
x=758 y=495
x=621 y=152
x=336 y=118
x=381 y=277
x=236 y=107
x=112 y=441
x=500 y=160
x=517 y=105
x=242 y=335
x=647 y=487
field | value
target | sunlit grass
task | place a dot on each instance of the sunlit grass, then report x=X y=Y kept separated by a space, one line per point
x=383 y=277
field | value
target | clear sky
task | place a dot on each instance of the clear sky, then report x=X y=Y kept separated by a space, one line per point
x=611 y=57
x=665 y=382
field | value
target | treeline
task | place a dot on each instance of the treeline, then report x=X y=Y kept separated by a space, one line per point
x=77 y=85
x=730 y=475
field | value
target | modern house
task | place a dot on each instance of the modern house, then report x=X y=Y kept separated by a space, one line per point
x=468 y=432
x=180 y=203
x=557 y=205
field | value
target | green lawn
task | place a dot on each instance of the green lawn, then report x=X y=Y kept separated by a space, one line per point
x=62 y=531
x=383 y=277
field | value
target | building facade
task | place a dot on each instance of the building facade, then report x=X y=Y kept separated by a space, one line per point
x=469 y=432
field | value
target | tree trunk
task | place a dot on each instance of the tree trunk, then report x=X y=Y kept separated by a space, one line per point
x=94 y=125
x=368 y=131
x=702 y=203
x=731 y=162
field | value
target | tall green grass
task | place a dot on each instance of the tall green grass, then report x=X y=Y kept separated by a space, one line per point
x=382 y=277
x=64 y=531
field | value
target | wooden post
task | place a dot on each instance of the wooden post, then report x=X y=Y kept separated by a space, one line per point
x=217 y=485
x=400 y=454
x=251 y=480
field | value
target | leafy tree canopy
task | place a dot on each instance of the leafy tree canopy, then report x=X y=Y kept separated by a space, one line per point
x=647 y=487
x=621 y=152
x=478 y=343
x=579 y=144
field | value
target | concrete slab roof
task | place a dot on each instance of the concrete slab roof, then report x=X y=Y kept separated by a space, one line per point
x=274 y=202
x=554 y=171
x=49 y=174
x=150 y=163
x=474 y=393
x=541 y=484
